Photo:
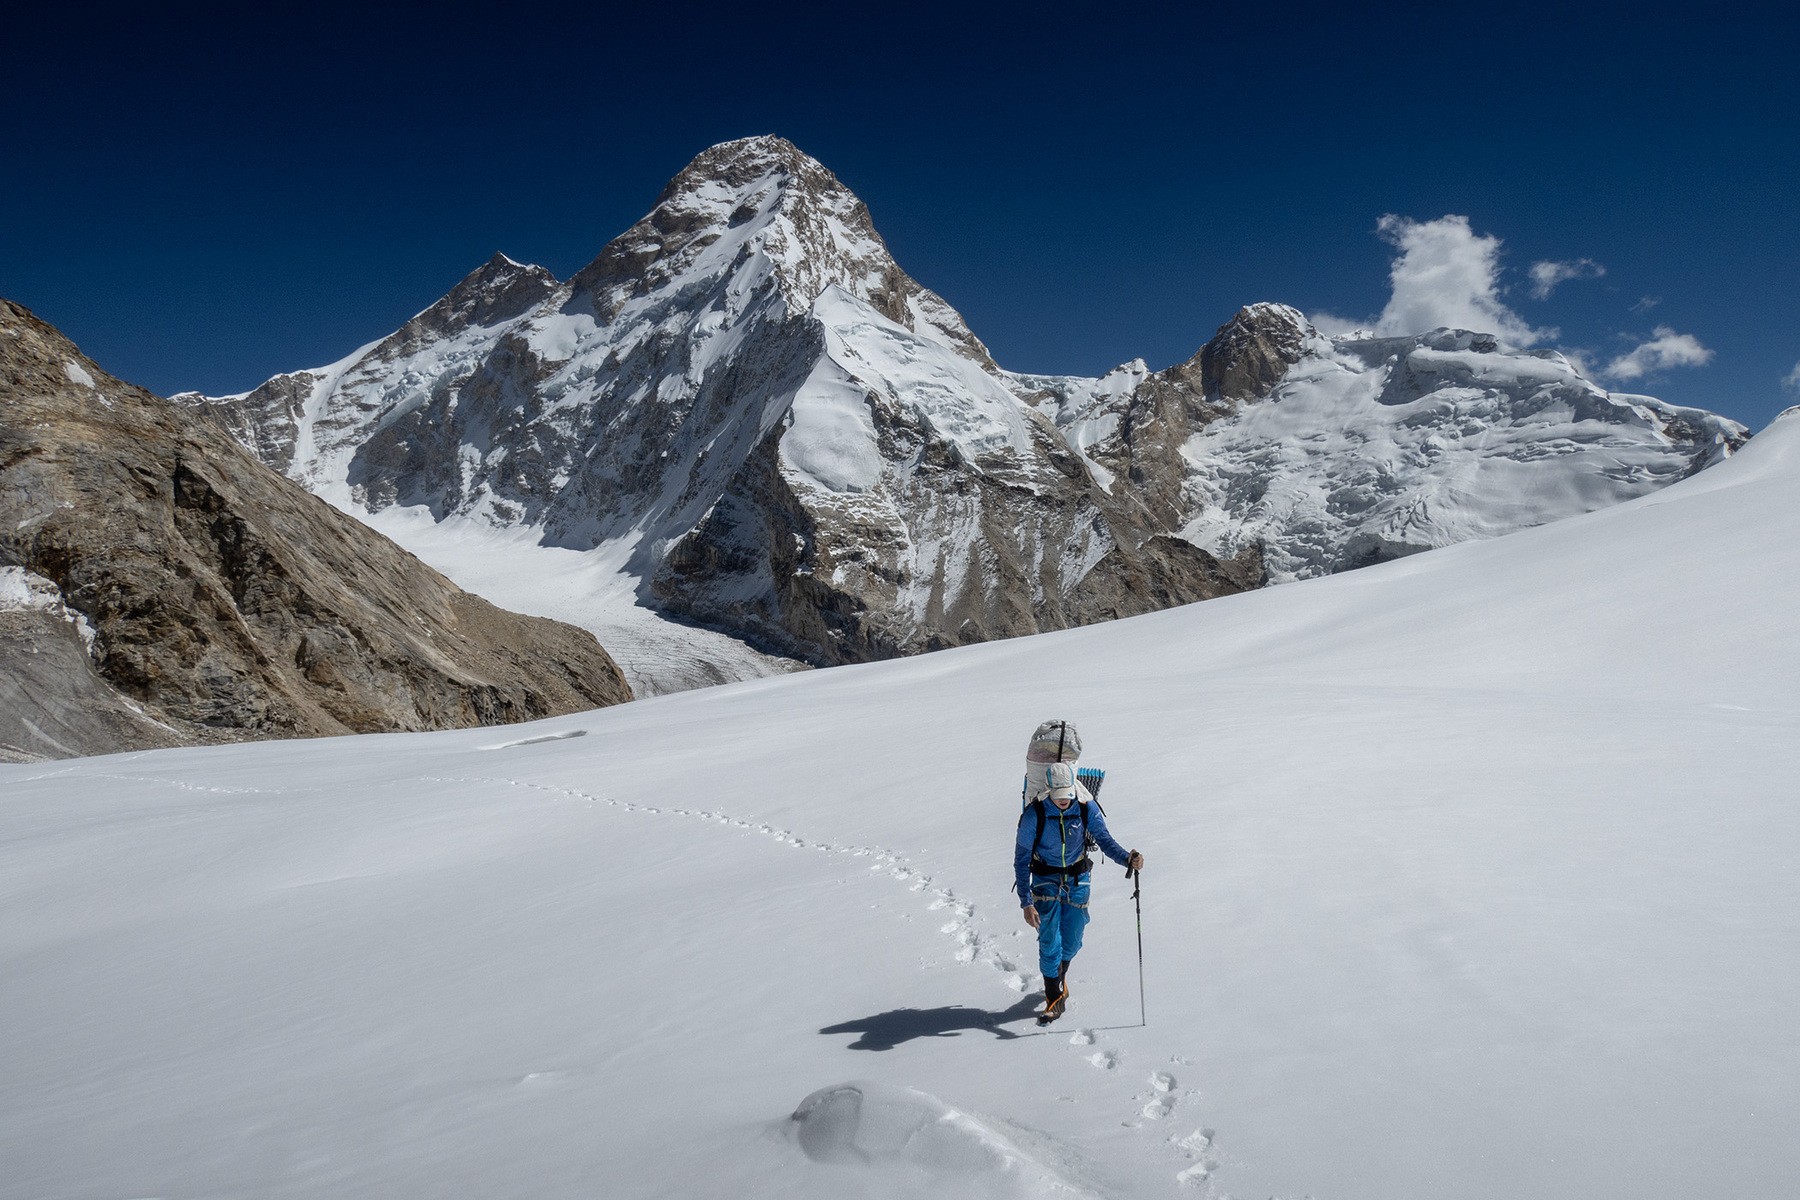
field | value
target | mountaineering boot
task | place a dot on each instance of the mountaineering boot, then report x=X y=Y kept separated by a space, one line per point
x=1056 y=997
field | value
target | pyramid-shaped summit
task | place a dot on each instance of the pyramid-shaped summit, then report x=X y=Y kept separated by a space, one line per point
x=747 y=222
x=760 y=421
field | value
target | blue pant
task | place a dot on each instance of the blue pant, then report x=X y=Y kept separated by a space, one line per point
x=1062 y=908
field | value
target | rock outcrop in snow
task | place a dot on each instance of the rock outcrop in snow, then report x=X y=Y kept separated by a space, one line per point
x=160 y=586
x=779 y=433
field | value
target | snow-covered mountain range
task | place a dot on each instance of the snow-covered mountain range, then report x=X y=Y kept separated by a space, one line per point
x=744 y=412
x=1334 y=453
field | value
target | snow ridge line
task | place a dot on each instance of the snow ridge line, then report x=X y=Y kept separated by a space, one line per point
x=971 y=943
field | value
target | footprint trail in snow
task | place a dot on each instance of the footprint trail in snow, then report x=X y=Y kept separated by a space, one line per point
x=1157 y=1104
x=971 y=944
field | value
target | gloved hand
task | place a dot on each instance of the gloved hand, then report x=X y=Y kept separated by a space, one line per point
x=1135 y=862
x=1031 y=915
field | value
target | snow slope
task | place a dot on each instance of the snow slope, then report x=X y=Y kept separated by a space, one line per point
x=1469 y=875
x=658 y=653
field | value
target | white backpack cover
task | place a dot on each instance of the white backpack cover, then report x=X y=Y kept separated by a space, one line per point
x=1054 y=742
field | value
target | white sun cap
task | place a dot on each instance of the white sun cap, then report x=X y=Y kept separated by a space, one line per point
x=1061 y=778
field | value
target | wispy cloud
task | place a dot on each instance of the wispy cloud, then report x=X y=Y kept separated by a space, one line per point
x=1446 y=275
x=1666 y=349
x=1792 y=382
x=1646 y=303
x=1545 y=276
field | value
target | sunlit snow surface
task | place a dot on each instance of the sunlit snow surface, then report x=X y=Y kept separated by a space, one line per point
x=1469 y=875
x=592 y=590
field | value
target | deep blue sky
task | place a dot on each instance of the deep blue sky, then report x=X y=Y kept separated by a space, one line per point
x=204 y=198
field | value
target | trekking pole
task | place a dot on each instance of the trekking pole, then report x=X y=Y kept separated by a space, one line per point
x=1137 y=883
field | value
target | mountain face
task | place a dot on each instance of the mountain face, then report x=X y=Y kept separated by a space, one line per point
x=747 y=406
x=1331 y=454
x=775 y=428
x=160 y=586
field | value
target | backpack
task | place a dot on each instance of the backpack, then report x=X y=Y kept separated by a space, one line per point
x=1053 y=742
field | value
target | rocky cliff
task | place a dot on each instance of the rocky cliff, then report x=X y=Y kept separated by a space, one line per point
x=214 y=598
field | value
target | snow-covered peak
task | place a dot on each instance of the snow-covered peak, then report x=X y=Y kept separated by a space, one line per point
x=1271 y=318
x=1249 y=354
x=756 y=223
x=743 y=160
x=497 y=291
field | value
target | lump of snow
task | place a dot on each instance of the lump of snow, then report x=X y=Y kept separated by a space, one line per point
x=77 y=374
x=22 y=590
x=903 y=1131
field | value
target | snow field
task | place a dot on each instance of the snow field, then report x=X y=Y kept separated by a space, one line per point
x=592 y=590
x=1468 y=875
x=263 y=1023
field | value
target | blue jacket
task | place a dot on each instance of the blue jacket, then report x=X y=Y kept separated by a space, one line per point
x=1062 y=840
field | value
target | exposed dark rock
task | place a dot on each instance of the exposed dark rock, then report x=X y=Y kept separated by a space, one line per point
x=1243 y=362
x=1250 y=353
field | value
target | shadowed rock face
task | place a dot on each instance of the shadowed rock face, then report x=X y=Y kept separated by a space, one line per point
x=54 y=704
x=838 y=578
x=1249 y=355
x=227 y=602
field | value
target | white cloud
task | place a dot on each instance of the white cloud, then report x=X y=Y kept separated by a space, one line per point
x=1792 y=382
x=1335 y=326
x=1546 y=275
x=1446 y=275
x=1666 y=349
x=1646 y=303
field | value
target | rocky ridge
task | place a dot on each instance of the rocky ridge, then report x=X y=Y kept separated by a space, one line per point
x=166 y=587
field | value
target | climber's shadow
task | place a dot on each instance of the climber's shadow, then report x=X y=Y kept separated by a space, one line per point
x=884 y=1031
